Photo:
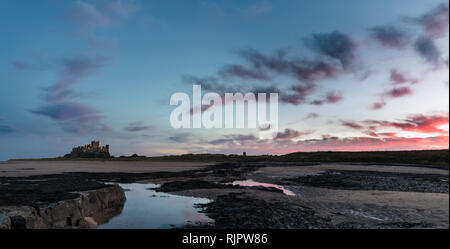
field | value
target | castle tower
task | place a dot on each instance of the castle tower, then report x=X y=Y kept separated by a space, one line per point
x=95 y=144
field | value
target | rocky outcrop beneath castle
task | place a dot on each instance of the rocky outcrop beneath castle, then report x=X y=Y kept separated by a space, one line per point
x=92 y=150
x=90 y=209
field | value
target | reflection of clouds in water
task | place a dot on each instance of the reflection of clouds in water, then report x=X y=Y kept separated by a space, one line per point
x=144 y=208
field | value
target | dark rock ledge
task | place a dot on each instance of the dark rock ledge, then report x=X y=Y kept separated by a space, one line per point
x=89 y=210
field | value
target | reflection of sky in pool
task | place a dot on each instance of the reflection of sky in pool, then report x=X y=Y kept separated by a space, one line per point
x=251 y=183
x=145 y=208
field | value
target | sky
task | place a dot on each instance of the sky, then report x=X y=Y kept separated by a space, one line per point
x=352 y=75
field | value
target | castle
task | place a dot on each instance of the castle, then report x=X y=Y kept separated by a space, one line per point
x=93 y=150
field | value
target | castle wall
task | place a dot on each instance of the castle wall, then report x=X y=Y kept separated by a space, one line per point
x=90 y=150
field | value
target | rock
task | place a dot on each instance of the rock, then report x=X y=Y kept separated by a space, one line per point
x=18 y=222
x=5 y=222
x=87 y=223
x=20 y=217
x=90 y=209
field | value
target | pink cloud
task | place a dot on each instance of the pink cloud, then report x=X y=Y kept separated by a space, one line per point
x=398 y=92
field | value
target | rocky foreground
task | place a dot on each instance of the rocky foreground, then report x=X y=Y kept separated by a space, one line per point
x=88 y=210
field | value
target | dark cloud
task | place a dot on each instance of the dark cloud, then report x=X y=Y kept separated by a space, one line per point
x=330 y=98
x=298 y=93
x=288 y=134
x=237 y=138
x=312 y=116
x=73 y=117
x=398 y=92
x=295 y=95
x=378 y=105
x=390 y=36
x=6 y=129
x=307 y=70
x=212 y=84
x=180 y=138
x=263 y=67
x=60 y=98
x=335 y=45
x=317 y=102
x=221 y=141
x=416 y=123
x=398 y=78
x=334 y=97
x=297 y=68
x=76 y=68
x=435 y=22
x=68 y=111
x=352 y=125
x=240 y=137
x=276 y=62
x=243 y=73
x=427 y=49
x=137 y=126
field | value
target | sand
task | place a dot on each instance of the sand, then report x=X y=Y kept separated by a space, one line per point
x=41 y=167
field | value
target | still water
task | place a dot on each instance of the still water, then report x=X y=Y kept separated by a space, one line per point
x=146 y=208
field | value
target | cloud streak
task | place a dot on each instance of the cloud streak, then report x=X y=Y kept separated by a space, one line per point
x=435 y=22
x=428 y=50
x=289 y=134
x=415 y=123
x=399 y=78
x=398 y=92
x=136 y=127
x=61 y=99
x=331 y=98
x=6 y=129
x=390 y=36
x=378 y=105
x=352 y=125
x=335 y=45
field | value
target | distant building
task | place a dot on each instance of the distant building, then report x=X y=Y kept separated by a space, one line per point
x=244 y=153
x=93 y=150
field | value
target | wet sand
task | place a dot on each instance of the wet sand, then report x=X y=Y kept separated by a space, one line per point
x=41 y=167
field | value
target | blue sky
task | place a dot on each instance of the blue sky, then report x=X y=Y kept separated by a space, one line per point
x=73 y=71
